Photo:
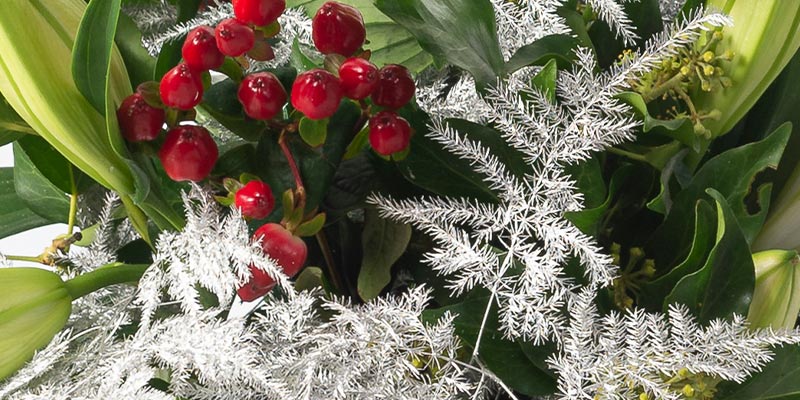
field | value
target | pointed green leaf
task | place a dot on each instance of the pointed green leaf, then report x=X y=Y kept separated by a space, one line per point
x=311 y=227
x=91 y=54
x=15 y=216
x=555 y=48
x=383 y=242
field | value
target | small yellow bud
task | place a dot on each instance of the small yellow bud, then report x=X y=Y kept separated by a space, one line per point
x=706 y=86
x=644 y=396
x=708 y=70
x=708 y=56
x=685 y=70
x=718 y=35
x=688 y=391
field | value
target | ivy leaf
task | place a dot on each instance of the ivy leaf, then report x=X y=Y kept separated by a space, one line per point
x=383 y=242
x=724 y=285
x=91 y=53
x=557 y=48
x=507 y=359
x=388 y=42
x=460 y=32
x=36 y=191
x=15 y=216
x=778 y=380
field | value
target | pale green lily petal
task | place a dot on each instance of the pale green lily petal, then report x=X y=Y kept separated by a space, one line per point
x=776 y=298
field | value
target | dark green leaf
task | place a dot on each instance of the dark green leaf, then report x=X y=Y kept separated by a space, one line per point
x=235 y=159
x=49 y=162
x=724 y=285
x=12 y=126
x=313 y=132
x=778 y=380
x=15 y=216
x=508 y=360
x=731 y=173
x=384 y=241
x=462 y=32
x=679 y=129
x=36 y=191
x=139 y=63
x=653 y=292
x=389 y=42
x=646 y=18
x=91 y=54
x=558 y=48
x=587 y=220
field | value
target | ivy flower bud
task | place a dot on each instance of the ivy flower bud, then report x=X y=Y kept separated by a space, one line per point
x=34 y=306
x=762 y=40
x=776 y=298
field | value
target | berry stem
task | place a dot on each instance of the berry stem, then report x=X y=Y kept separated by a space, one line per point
x=333 y=272
x=363 y=118
x=300 y=191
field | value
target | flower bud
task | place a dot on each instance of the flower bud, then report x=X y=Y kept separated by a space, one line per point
x=776 y=298
x=34 y=306
x=762 y=40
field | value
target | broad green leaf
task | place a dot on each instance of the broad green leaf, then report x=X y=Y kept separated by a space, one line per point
x=12 y=126
x=15 y=216
x=91 y=54
x=389 y=42
x=588 y=177
x=41 y=196
x=312 y=131
x=139 y=63
x=732 y=174
x=557 y=48
x=384 y=241
x=507 y=359
x=778 y=380
x=52 y=165
x=461 y=32
x=653 y=292
x=545 y=80
x=724 y=285
x=587 y=220
x=679 y=129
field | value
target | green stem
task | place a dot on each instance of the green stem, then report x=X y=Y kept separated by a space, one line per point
x=24 y=258
x=103 y=277
x=629 y=154
x=73 y=202
x=657 y=92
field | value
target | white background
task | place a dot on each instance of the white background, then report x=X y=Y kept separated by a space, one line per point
x=30 y=243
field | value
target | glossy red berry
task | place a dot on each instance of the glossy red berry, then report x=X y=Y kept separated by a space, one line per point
x=395 y=87
x=258 y=12
x=181 y=88
x=200 y=50
x=287 y=250
x=317 y=93
x=389 y=133
x=255 y=200
x=261 y=95
x=359 y=78
x=234 y=38
x=188 y=153
x=338 y=28
x=138 y=120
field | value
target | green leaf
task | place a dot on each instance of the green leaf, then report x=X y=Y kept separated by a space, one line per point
x=588 y=177
x=359 y=143
x=778 y=380
x=653 y=292
x=461 y=32
x=139 y=63
x=724 y=285
x=311 y=227
x=679 y=129
x=732 y=174
x=383 y=242
x=36 y=191
x=51 y=164
x=646 y=18
x=91 y=54
x=389 y=42
x=313 y=132
x=12 y=126
x=557 y=48
x=588 y=219
x=507 y=359
x=15 y=216
x=300 y=58
x=545 y=80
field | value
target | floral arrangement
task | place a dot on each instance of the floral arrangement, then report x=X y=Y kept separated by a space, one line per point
x=401 y=199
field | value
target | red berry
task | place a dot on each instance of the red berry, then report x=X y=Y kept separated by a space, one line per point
x=255 y=199
x=188 y=153
x=389 y=133
x=258 y=12
x=338 y=28
x=316 y=93
x=139 y=121
x=359 y=78
x=200 y=50
x=395 y=87
x=181 y=88
x=262 y=95
x=287 y=250
x=234 y=38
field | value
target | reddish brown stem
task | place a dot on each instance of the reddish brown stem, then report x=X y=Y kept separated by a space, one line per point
x=300 y=190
